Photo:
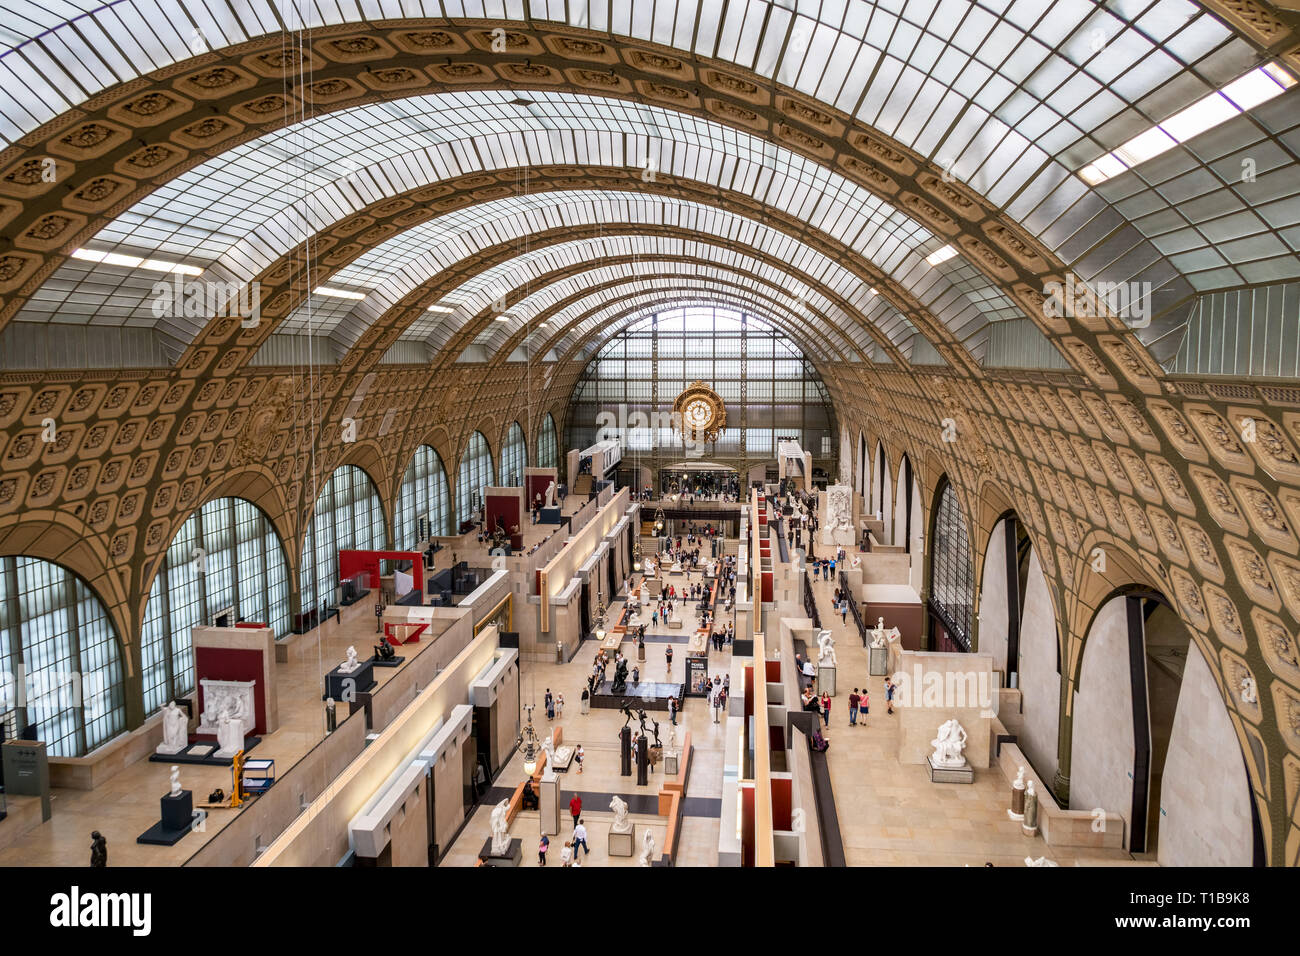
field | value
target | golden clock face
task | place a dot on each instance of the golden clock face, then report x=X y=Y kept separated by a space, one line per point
x=702 y=413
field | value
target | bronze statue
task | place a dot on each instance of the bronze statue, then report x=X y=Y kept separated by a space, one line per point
x=384 y=650
x=620 y=678
x=98 y=849
x=626 y=708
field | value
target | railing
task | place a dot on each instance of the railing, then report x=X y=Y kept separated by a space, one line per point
x=810 y=602
x=855 y=610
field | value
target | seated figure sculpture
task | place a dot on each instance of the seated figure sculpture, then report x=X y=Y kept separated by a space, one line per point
x=384 y=651
x=620 y=678
x=950 y=743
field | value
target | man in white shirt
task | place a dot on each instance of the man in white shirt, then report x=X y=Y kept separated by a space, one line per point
x=580 y=840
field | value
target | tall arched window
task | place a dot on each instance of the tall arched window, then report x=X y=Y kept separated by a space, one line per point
x=348 y=514
x=424 y=494
x=227 y=554
x=548 y=449
x=952 y=581
x=59 y=648
x=473 y=475
x=514 y=457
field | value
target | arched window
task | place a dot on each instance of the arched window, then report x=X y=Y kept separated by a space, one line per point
x=226 y=555
x=424 y=494
x=952 y=584
x=548 y=450
x=473 y=475
x=514 y=457
x=58 y=647
x=348 y=514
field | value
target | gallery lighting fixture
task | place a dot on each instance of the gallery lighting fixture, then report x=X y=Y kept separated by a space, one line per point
x=1258 y=86
x=338 y=293
x=942 y=254
x=135 y=262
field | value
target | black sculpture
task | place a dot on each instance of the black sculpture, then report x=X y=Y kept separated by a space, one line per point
x=626 y=708
x=98 y=849
x=641 y=716
x=620 y=678
x=217 y=796
x=655 y=731
x=384 y=651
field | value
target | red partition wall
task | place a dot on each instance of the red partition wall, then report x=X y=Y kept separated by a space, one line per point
x=233 y=663
x=505 y=507
x=537 y=485
x=782 y=803
x=354 y=562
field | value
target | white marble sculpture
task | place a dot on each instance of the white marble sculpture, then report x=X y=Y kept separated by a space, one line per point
x=1248 y=692
x=176 y=781
x=672 y=738
x=231 y=727
x=217 y=695
x=878 y=633
x=548 y=748
x=621 y=823
x=825 y=649
x=500 y=823
x=837 y=519
x=948 y=746
x=647 y=848
x=1041 y=861
x=550 y=495
x=175 y=730
x=1019 y=782
x=351 y=664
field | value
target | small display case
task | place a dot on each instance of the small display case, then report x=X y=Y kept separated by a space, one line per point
x=259 y=775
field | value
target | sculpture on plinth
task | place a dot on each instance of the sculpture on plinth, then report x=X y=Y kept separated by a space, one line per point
x=620 y=678
x=621 y=823
x=1041 y=861
x=1029 y=825
x=351 y=664
x=948 y=746
x=672 y=739
x=647 y=848
x=175 y=730
x=176 y=781
x=230 y=728
x=878 y=633
x=825 y=649
x=626 y=709
x=500 y=824
x=1017 y=811
x=384 y=650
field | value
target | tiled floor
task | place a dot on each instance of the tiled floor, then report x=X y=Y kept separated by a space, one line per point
x=597 y=731
x=890 y=814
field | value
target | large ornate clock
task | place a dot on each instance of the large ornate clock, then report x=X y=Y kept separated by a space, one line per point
x=699 y=413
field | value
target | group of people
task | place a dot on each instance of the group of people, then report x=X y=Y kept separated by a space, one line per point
x=817 y=705
x=719 y=688
x=723 y=636
x=554 y=704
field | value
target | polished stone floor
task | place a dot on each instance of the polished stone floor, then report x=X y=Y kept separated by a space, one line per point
x=597 y=731
x=890 y=814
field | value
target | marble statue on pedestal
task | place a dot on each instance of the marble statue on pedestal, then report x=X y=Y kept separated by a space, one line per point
x=825 y=649
x=548 y=748
x=176 y=781
x=175 y=725
x=230 y=728
x=550 y=495
x=500 y=824
x=1029 y=825
x=672 y=739
x=621 y=823
x=351 y=664
x=1041 y=861
x=837 y=526
x=878 y=633
x=1017 y=811
x=948 y=746
x=647 y=848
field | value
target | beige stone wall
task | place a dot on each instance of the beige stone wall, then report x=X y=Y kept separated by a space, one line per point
x=1040 y=682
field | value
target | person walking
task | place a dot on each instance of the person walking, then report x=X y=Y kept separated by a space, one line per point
x=575 y=808
x=566 y=854
x=826 y=709
x=672 y=710
x=580 y=839
x=864 y=706
x=542 y=847
x=577 y=756
x=889 y=696
x=715 y=693
x=854 y=699
x=844 y=611
x=668 y=656
x=559 y=705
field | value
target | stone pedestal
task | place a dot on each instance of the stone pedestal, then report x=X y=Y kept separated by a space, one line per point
x=620 y=844
x=642 y=761
x=548 y=801
x=878 y=661
x=1017 y=811
x=962 y=774
x=512 y=857
x=640 y=651
x=177 y=811
x=670 y=766
x=625 y=752
x=826 y=679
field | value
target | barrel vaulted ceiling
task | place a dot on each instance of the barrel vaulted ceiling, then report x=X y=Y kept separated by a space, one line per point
x=500 y=187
